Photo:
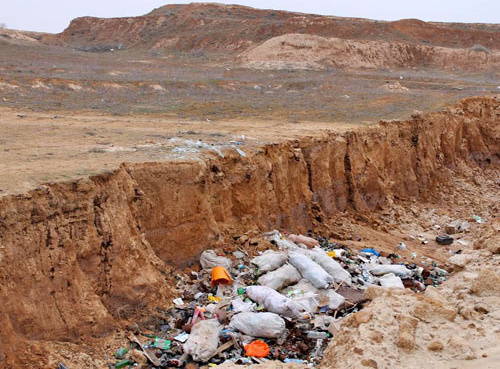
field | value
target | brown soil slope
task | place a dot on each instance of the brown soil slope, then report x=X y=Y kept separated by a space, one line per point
x=85 y=255
x=230 y=27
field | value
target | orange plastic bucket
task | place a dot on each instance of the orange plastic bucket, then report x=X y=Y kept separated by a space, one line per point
x=257 y=348
x=220 y=276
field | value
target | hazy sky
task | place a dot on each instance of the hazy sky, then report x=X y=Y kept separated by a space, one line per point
x=55 y=15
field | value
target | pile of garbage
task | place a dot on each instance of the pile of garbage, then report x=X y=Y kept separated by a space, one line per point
x=284 y=304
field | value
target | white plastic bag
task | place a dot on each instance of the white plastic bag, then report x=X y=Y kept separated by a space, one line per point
x=275 y=302
x=266 y=325
x=330 y=265
x=282 y=244
x=203 y=340
x=334 y=299
x=281 y=277
x=390 y=280
x=310 y=270
x=241 y=306
x=309 y=301
x=399 y=270
x=269 y=260
x=209 y=260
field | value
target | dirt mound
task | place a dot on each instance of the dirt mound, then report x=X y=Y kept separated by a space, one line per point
x=307 y=51
x=234 y=28
x=96 y=253
x=455 y=325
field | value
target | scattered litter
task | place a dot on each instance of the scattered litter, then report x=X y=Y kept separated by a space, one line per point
x=370 y=251
x=162 y=343
x=308 y=241
x=310 y=270
x=220 y=276
x=203 y=341
x=178 y=301
x=280 y=278
x=257 y=348
x=284 y=303
x=444 y=240
x=396 y=269
x=121 y=352
x=209 y=259
x=478 y=219
x=269 y=260
x=240 y=151
x=390 y=280
x=183 y=337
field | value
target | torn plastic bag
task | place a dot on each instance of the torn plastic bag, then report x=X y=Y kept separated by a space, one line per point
x=331 y=266
x=280 y=278
x=310 y=270
x=322 y=322
x=269 y=260
x=282 y=244
x=303 y=286
x=203 y=340
x=210 y=260
x=275 y=302
x=241 y=306
x=266 y=325
x=399 y=270
x=309 y=301
x=390 y=280
x=334 y=299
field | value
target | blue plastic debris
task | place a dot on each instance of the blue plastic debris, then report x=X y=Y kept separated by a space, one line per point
x=371 y=251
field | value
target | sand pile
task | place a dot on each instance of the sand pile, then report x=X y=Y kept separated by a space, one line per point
x=454 y=325
x=301 y=51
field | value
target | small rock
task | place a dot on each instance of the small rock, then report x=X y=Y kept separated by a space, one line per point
x=459 y=260
x=138 y=357
x=358 y=350
x=363 y=316
x=435 y=346
x=370 y=363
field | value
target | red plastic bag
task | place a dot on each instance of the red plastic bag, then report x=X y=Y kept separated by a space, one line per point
x=257 y=348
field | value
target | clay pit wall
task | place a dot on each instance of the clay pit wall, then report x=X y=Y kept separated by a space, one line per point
x=77 y=257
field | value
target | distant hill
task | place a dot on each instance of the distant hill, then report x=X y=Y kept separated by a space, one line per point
x=233 y=30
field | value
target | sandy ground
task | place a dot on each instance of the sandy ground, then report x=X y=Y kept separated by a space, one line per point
x=43 y=147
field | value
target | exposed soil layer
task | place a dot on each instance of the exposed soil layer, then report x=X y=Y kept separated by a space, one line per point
x=79 y=258
x=230 y=27
x=308 y=51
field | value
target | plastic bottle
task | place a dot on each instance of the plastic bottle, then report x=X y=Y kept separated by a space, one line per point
x=313 y=335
